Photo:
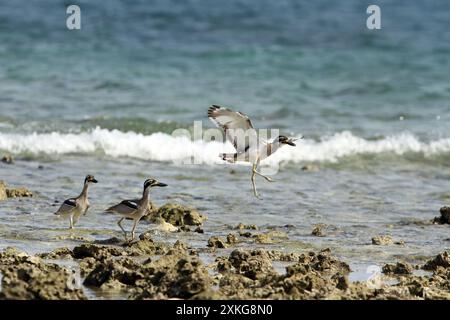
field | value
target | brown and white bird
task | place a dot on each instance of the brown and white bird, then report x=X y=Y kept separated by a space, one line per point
x=74 y=208
x=135 y=209
x=249 y=146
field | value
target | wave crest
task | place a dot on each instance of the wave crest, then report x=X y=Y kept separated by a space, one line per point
x=164 y=147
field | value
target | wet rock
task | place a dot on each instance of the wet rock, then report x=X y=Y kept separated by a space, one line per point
x=318 y=230
x=283 y=256
x=59 y=253
x=145 y=246
x=242 y=226
x=3 y=194
x=399 y=268
x=113 y=240
x=231 y=239
x=246 y=234
x=216 y=242
x=87 y=265
x=28 y=277
x=223 y=264
x=114 y=274
x=445 y=216
x=95 y=251
x=262 y=238
x=342 y=282
x=199 y=230
x=18 y=192
x=382 y=240
x=180 y=215
x=209 y=295
x=8 y=159
x=310 y=167
x=251 y=264
x=173 y=276
x=314 y=276
x=180 y=248
x=441 y=260
x=322 y=262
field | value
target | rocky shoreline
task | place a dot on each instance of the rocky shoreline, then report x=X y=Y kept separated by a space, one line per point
x=145 y=269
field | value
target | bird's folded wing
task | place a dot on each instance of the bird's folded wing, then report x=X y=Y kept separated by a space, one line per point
x=125 y=207
x=68 y=206
x=232 y=123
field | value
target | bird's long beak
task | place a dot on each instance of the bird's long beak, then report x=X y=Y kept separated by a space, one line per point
x=160 y=184
x=291 y=141
x=94 y=180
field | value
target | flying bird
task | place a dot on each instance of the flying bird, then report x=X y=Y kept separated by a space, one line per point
x=250 y=147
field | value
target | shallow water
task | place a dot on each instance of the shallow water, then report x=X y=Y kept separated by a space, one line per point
x=373 y=107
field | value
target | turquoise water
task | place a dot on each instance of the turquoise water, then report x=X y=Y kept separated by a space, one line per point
x=373 y=107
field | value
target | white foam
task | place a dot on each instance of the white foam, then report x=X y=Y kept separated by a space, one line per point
x=164 y=147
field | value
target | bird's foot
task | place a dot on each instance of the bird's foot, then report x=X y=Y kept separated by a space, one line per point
x=257 y=196
x=269 y=179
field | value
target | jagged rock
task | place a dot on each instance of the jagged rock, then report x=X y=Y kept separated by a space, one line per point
x=262 y=238
x=180 y=215
x=3 y=194
x=199 y=230
x=29 y=278
x=242 y=226
x=398 y=268
x=8 y=159
x=382 y=240
x=445 y=216
x=216 y=242
x=59 y=253
x=231 y=239
x=310 y=167
x=18 y=192
x=173 y=276
x=114 y=274
x=441 y=260
x=251 y=264
x=318 y=230
x=95 y=251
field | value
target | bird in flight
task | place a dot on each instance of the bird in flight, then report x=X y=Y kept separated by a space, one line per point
x=250 y=147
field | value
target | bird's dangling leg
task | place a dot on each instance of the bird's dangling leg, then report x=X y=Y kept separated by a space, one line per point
x=71 y=221
x=253 y=181
x=123 y=230
x=260 y=174
x=265 y=177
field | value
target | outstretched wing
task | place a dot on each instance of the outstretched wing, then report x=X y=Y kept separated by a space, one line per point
x=232 y=122
x=67 y=207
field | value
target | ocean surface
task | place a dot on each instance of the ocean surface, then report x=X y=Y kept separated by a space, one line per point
x=373 y=106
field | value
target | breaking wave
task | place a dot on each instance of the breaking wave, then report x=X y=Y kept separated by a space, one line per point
x=164 y=147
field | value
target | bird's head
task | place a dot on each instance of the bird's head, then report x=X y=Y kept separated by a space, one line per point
x=153 y=183
x=285 y=140
x=90 y=179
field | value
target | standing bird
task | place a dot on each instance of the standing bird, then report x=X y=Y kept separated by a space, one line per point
x=254 y=149
x=76 y=207
x=135 y=209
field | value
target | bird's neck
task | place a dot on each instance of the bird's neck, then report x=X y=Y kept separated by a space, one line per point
x=145 y=194
x=84 y=192
x=272 y=147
